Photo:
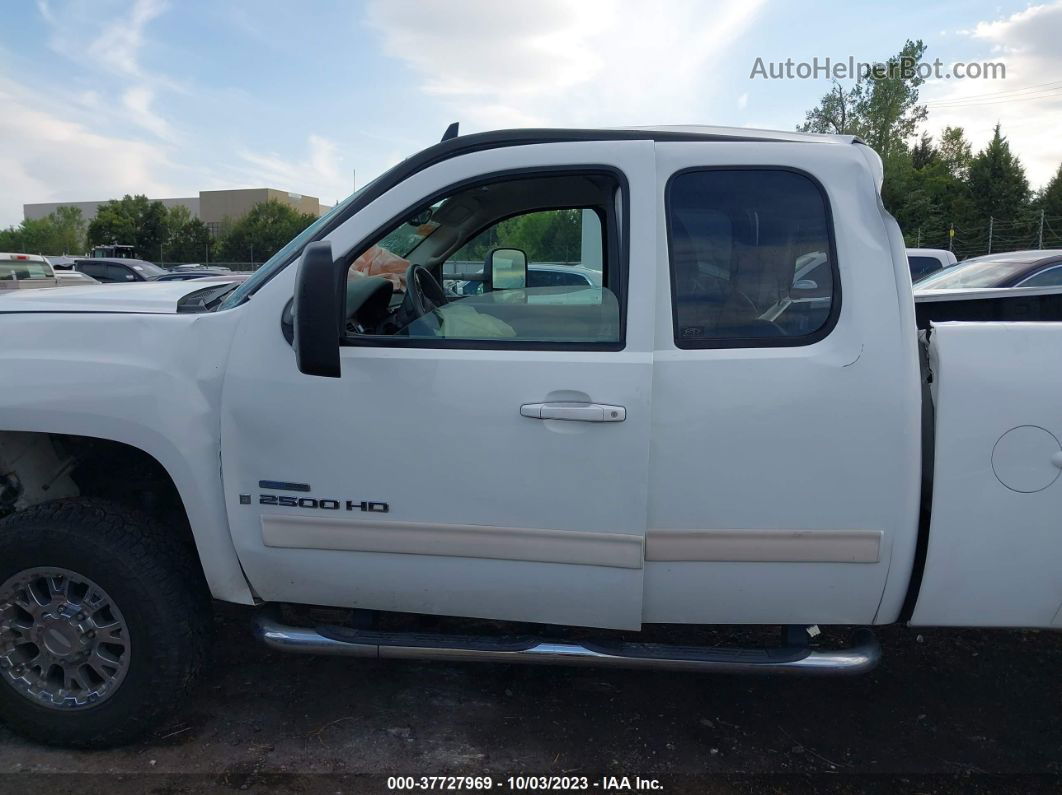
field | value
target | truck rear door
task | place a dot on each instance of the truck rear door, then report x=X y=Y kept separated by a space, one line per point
x=784 y=466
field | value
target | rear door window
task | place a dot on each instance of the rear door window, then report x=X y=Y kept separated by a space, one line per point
x=752 y=258
x=119 y=273
x=97 y=270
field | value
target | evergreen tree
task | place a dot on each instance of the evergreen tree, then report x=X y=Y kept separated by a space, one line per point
x=955 y=152
x=1050 y=198
x=998 y=187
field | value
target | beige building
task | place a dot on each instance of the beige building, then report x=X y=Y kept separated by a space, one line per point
x=217 y=205
x=212 y=207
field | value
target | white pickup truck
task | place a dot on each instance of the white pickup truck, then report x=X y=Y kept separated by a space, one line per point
x=744 y=422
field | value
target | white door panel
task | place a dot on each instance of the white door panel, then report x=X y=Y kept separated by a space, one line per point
x=490 y=513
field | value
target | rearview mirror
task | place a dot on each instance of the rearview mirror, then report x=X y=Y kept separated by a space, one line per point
x=506 y=269
x=316 y=312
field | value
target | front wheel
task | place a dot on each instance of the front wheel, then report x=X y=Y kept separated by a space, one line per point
x=103 y=623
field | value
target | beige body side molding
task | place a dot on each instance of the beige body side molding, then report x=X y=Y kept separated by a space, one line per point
x=619 y=550
x=764 y=546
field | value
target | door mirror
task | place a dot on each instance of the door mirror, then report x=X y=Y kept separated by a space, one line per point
x=506 y=269
x=316 y=312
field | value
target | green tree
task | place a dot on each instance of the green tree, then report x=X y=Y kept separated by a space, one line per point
x=187 y=238
x=955 y=152
x=545 y=236
x=261 y=233
x=923 y=153
x=1050 y=198
x=882 y=107
x=889 y=112
x=131 y=220
x=61 y=232
x=998 y=186
x=70 y=228
x=837 y=112
x=548 y=236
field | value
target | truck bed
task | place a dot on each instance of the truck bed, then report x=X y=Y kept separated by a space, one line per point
x=994 y=539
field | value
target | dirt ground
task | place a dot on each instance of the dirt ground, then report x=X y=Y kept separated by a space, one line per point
x=945 y=711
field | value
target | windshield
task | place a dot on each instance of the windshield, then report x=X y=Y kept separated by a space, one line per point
x=403 y=239
x=282 y=257
x=972 y=274
x=146 y=269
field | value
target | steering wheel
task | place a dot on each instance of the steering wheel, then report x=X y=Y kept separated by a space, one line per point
x=423 y=295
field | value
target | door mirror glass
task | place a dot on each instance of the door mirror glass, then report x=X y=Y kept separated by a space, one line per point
x=507 y=269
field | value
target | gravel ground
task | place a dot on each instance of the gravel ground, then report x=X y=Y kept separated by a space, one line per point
x=946 y=711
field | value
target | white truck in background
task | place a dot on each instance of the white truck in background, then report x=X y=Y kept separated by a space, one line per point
x=25 y=272
x=747 y=421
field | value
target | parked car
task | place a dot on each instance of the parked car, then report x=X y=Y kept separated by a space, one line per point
x=538 y=275
x=1036 y=268
x=70 y=278
x=62 y=262
x=25 y=271
x=197 y=273
x=924 y=261
x=307 y=443
x=118 y=269
x=195 y=266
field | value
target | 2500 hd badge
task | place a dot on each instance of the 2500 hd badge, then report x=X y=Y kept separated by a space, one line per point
x=323 y=504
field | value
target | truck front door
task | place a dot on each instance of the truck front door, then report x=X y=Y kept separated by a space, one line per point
x=485 y=452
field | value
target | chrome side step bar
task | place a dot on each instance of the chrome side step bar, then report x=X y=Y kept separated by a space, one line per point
x=860 y=657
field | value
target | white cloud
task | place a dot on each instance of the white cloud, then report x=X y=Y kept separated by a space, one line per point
x=1027 y=43
x=137 y=102
x=108 y=48
x=46 y=157
x=46 y=11
x=555 y=62
x=118 y=45
x=743 y=101
x=319 y=172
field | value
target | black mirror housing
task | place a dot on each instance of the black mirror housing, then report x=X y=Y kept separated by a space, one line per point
x=316 y=312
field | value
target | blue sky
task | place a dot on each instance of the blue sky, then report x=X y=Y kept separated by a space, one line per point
x=103 y=97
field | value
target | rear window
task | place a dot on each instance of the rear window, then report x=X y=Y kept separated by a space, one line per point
x=923 y=266
x=25 y=269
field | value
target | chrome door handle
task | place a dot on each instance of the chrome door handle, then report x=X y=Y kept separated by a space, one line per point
x=578 y=412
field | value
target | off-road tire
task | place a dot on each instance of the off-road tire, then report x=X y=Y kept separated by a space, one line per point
x=156 y=582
